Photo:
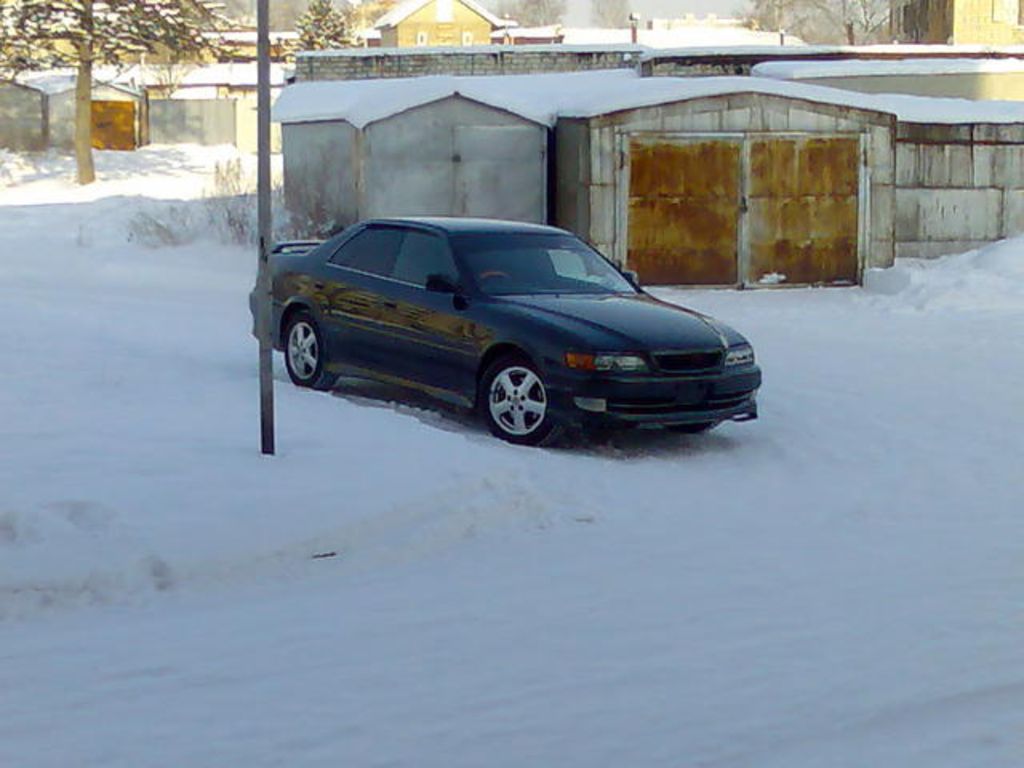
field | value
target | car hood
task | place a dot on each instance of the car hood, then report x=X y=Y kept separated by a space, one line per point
x=638 y=320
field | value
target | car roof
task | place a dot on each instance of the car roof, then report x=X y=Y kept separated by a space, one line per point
x=464 y=225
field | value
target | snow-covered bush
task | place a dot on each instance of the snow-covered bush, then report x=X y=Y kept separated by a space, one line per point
x=232 y=203
x=227 y=213
x=167 y=225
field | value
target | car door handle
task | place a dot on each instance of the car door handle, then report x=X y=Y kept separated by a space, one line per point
x=318 y=286
x=389 y=304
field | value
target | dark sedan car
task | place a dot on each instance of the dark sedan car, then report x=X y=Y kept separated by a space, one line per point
x=526 y=323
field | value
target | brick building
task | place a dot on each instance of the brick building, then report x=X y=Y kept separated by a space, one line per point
x=962 y=22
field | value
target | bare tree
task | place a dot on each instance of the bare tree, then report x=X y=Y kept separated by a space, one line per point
x=610 y=13
x=533 y=13
x=854 y=22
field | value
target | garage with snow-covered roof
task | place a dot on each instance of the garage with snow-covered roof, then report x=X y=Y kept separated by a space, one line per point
x=959 y=78
x=356 y=150
x=959 y=161
x=729 y=181
x=23 y=124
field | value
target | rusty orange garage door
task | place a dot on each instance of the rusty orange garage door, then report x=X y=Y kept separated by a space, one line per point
x=803 y=208
x=113 y=124
x=684 y=210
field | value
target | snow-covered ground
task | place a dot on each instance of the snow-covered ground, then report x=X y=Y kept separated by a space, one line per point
x=836 y=584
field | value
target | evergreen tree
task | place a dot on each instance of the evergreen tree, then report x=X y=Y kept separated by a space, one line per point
x=323 y=26
x=81 y=33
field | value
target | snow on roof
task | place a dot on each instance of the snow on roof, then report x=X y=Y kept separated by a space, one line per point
x=930 y=52
x=651 y=91
x=427 y=50
x=516 y=31
x=544 y=98
x=683 y=36
x=804 y=70
x=250 y=36
x=54 y=81
x=402 y=11
x=130 y=80
x=361 y=102
x=234 y=75
x=239 y=74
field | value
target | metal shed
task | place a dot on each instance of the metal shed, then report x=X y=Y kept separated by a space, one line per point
x=370 y=152
x=742 y=187
x=118 y=111
x=23 y=124
x=116 y=117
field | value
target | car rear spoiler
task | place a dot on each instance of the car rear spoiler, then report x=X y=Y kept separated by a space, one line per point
x=295 y=246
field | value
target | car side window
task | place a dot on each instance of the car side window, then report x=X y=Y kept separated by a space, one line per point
x=421 y=255
x=373 y=250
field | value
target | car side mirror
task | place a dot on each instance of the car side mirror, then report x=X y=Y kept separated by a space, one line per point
x=441 y=284
x=632 y=277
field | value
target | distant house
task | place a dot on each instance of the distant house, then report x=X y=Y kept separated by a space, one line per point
x=962 y=22
x=437 y=23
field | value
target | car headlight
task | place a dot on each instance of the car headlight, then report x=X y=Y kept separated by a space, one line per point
x=743 y=355
x=583 y=361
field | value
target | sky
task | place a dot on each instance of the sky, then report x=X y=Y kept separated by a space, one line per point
x=579 y=10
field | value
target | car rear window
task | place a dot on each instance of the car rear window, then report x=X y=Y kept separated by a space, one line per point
x=373 y=250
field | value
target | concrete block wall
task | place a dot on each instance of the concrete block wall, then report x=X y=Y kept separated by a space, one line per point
x=957 y=187
x=484 y=60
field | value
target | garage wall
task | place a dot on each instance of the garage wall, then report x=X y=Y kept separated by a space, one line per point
x=22 y=118
x=320 y=170
x=958 y=187
x=192 y=121
x=455 y=157
x=592 y=163
x=246 y=122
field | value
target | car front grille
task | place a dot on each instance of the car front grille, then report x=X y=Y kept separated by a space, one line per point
x=652 y=406
x=688 y=362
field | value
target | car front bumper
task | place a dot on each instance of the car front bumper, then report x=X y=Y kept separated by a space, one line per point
x=655 y=400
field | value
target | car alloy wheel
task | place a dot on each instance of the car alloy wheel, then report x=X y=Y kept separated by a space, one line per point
x=304 y=353
x=516 y=405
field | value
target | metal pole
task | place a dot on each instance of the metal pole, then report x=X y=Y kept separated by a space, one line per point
x=263 y=287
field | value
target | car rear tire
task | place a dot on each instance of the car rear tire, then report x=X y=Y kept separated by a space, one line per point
x=304 y=352
x=514 y=403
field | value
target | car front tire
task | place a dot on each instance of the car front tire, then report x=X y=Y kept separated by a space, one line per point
x=514 y=402
x=304 y=352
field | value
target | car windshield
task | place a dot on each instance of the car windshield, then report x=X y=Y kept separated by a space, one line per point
x=522 y=263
